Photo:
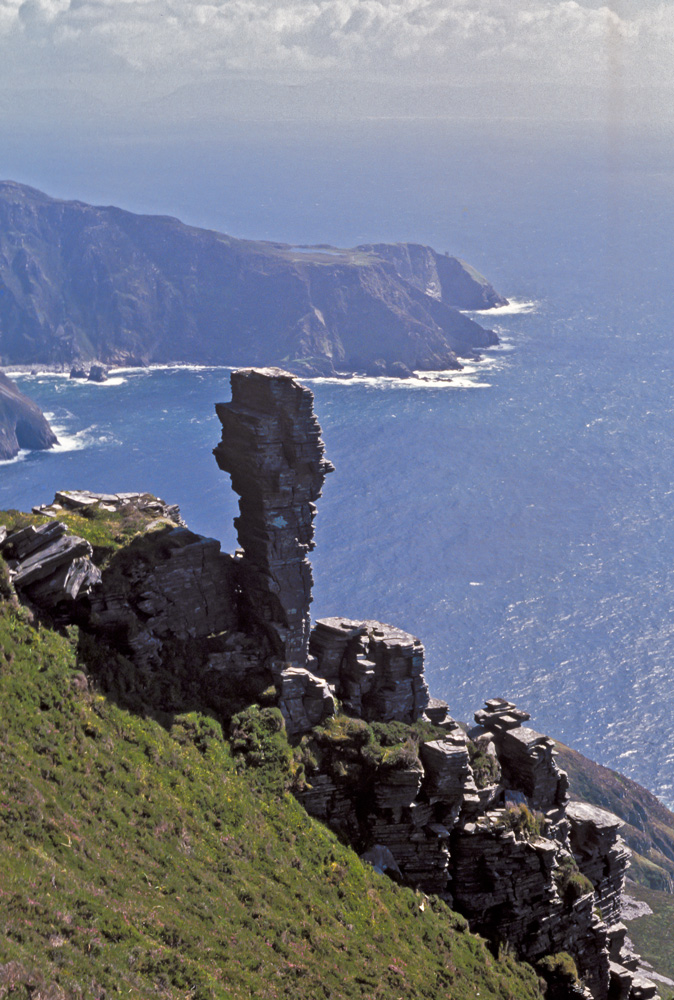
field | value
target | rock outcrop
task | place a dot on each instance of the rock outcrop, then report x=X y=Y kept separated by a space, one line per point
x=81 y=282
x=521 y=862
x=49 y=566
x=377 y=670
x=271 y=446
x=22 y=422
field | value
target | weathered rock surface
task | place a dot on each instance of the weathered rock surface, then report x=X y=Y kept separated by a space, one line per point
x=271 y=446
x=176 y=586
x=82 y=283
x=48 y=565
x=22 y=422
x=304 y=699
x=504 y=855
x=377 y=670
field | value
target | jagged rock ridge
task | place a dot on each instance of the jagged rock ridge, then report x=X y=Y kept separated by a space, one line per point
x=79 y=282
x=22 y=422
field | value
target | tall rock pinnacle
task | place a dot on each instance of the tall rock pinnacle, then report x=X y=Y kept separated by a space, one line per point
x=272 y=448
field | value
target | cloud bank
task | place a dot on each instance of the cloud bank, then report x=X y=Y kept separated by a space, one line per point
x=160 y=44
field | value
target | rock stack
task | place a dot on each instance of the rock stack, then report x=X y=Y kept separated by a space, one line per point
x=527 y=758
x=272 y=448
x=377 y=670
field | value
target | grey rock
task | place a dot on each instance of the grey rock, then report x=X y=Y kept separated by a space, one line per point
x=377 y=669
x=271 y=446
x=305 y=700
x=381 y=859
x=97 y=373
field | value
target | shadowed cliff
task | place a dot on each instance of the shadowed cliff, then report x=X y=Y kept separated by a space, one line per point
x=22 y=423
x=83 y=282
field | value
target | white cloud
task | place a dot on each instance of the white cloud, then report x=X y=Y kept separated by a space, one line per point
x=450 y=41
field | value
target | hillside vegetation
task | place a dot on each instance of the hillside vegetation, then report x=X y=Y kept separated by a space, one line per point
x=145 y=860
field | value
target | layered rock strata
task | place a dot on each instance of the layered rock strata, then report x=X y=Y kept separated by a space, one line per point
x=272 y=448
x=377 y=670
x=79 y=501
x=48 y=565
x=523 y=864
x=182 y=590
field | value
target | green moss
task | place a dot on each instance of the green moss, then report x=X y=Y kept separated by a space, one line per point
x=559 y=968
x=571 y=883
x=486 y=769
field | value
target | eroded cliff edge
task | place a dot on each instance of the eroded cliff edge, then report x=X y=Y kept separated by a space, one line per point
x=22 y=422
x=79 y=282
x=482 y=818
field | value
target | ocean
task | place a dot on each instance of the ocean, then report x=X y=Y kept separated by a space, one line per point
x=519 y=517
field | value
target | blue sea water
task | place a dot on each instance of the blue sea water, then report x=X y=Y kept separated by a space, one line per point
x=519 y=518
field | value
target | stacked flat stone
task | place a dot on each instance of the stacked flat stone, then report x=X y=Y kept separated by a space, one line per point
x=377 y=670
x=447 y=768
x=499 y=714
x=48 y=565
x=79 y=501
x=601 y=853
x=272 y=448
x=527 y=761
x=527 y=758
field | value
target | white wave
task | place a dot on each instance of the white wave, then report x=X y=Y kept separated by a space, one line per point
x=183 y=367
x=427 y=380
x=74 y=442
x=17 y=458
x=515 y=307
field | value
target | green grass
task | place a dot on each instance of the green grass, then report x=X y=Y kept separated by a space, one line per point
x=653 y=935
x=142 y=861
x=106 y=531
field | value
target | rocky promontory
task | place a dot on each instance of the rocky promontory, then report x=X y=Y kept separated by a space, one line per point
x=478 y=814
x=80 y=283
x=22 y=422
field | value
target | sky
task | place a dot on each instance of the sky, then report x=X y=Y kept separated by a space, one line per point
x=142 y=63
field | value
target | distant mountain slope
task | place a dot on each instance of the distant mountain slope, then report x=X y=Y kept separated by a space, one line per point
x=649 y=826
x=22 y=423
x=83 y=282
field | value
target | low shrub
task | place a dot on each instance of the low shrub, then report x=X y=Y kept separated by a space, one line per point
x=571 y=883
x=525 y=824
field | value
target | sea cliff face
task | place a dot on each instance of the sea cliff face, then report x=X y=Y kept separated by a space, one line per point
x=22 y=422
x=79 y=282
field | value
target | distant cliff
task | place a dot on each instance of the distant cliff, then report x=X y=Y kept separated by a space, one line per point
x=79 y=282
x=22 y=423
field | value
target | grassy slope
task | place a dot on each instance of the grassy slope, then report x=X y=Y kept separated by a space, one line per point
x=653 y=936
x=138 y=861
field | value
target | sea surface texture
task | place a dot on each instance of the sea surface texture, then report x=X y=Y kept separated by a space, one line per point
x=519 y=517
